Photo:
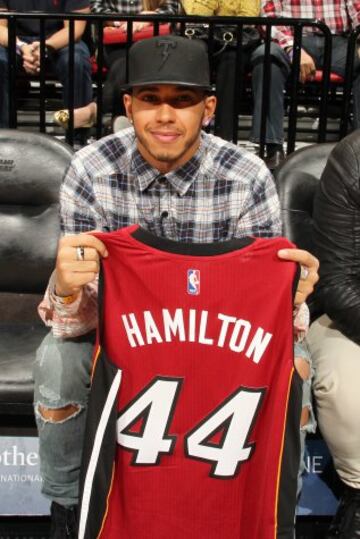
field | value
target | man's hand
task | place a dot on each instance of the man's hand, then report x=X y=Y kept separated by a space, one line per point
x=309 y=277
x=73 y=273
x=307 y=67
x=30 y=61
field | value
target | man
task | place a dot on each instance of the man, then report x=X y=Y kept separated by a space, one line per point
x=166 y=175
x=57 y=52
x=341 y=16
x=334 y=338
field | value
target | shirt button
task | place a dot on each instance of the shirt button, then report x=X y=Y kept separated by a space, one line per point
x=164 y=214
x=162 y=180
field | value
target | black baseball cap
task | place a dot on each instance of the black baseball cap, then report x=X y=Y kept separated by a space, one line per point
x=169 y=60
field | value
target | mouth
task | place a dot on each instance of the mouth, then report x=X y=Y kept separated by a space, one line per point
x=165 y=137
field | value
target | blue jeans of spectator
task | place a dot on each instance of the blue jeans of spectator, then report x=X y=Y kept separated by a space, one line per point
x=62 y=377
x=280 y=70
x=58 y=62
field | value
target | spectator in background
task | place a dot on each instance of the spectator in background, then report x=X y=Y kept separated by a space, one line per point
x=334 y=339
x=225 y=61
x=341 y=16
x=57 y=40
x=115 y=56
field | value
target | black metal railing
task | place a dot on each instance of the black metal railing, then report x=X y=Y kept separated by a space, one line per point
x=96 y=22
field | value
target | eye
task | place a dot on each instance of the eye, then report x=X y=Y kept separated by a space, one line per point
x=149 y=98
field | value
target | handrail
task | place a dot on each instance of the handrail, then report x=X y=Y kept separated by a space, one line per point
x=267 y=23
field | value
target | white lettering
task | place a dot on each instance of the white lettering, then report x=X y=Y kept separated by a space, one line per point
x=151 y=329
x=173 y=326
x=226 y=320
x=132 y=330
x=258 y=345
x=245 y=326
x=202 y=331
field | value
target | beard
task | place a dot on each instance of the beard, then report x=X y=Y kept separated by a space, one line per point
x=169 y=155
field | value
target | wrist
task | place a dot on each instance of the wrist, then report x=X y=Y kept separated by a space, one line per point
x=19 y=46
x=64 y=297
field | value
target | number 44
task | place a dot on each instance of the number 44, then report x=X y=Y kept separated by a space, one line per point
x=155 y=406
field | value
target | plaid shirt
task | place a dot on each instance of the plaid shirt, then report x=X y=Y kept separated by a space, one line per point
x=341 y=16
x=133 y=7
x=222 y=192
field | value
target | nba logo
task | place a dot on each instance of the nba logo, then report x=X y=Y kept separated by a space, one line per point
x=193 y=282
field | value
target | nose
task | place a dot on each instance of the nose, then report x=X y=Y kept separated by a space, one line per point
x=165 y=113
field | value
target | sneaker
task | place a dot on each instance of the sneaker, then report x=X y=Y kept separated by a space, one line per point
x=63 y=522
x=346 y=522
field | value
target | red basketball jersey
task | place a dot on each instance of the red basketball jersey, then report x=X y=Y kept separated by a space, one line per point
x=194 y=413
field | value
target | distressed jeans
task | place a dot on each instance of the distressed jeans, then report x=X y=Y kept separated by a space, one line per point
x=62 y=377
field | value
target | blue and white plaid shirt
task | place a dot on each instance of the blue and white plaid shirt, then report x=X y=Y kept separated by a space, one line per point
x=221 y=193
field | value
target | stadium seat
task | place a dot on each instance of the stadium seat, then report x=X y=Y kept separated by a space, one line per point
x=296 y=181
x=32 y=166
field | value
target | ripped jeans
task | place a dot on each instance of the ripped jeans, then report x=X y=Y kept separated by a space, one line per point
x=62 y=378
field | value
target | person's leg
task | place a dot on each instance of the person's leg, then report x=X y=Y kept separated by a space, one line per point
x=82 y=73
x=338 y=65
x=307 y=422
x=4 y=90
x=225 y=93
x=280 y=69
x=62 y=382
x=336 y=390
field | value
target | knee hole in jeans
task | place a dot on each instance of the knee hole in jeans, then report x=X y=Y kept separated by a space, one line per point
x=58 y=415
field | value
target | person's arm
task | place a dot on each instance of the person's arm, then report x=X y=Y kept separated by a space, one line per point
x=69 y=306
x=169 y=7
x=283 y=35
x=337 y=236
x=353 y=9
x=97 y=6
x=3 y=30
x=60 y=39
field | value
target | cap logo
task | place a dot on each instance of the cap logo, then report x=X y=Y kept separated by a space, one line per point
x=166 y=46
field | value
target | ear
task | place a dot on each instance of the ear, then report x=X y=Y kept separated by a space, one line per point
x=127 y=100
x=209 y=109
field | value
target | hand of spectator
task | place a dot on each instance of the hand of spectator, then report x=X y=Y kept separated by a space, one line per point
x=77 y=263
x=307 y=66
x=30 y=62
x=309 y=274
x=138 y=26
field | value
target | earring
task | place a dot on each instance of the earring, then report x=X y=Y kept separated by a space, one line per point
x=206 y=122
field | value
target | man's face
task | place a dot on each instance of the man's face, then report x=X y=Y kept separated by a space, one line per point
x=167 y=121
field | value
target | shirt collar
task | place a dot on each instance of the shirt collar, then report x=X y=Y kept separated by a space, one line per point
x=180 y=179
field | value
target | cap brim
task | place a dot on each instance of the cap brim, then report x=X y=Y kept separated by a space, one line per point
x=208 y=87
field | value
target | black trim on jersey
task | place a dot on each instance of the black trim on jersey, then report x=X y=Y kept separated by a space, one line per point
x=290 y=462
x=296 y=280
x=144 y=414
x=103 y=376
x=225 y=425
x=192 y=249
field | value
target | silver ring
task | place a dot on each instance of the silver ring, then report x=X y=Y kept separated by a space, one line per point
x=304 y=273
x=80 y=253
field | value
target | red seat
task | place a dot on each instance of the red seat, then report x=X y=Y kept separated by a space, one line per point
x=334 y=78
x=114 y=35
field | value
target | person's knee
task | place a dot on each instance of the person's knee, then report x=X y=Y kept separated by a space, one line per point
x=58 y=415
x=62 y=373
